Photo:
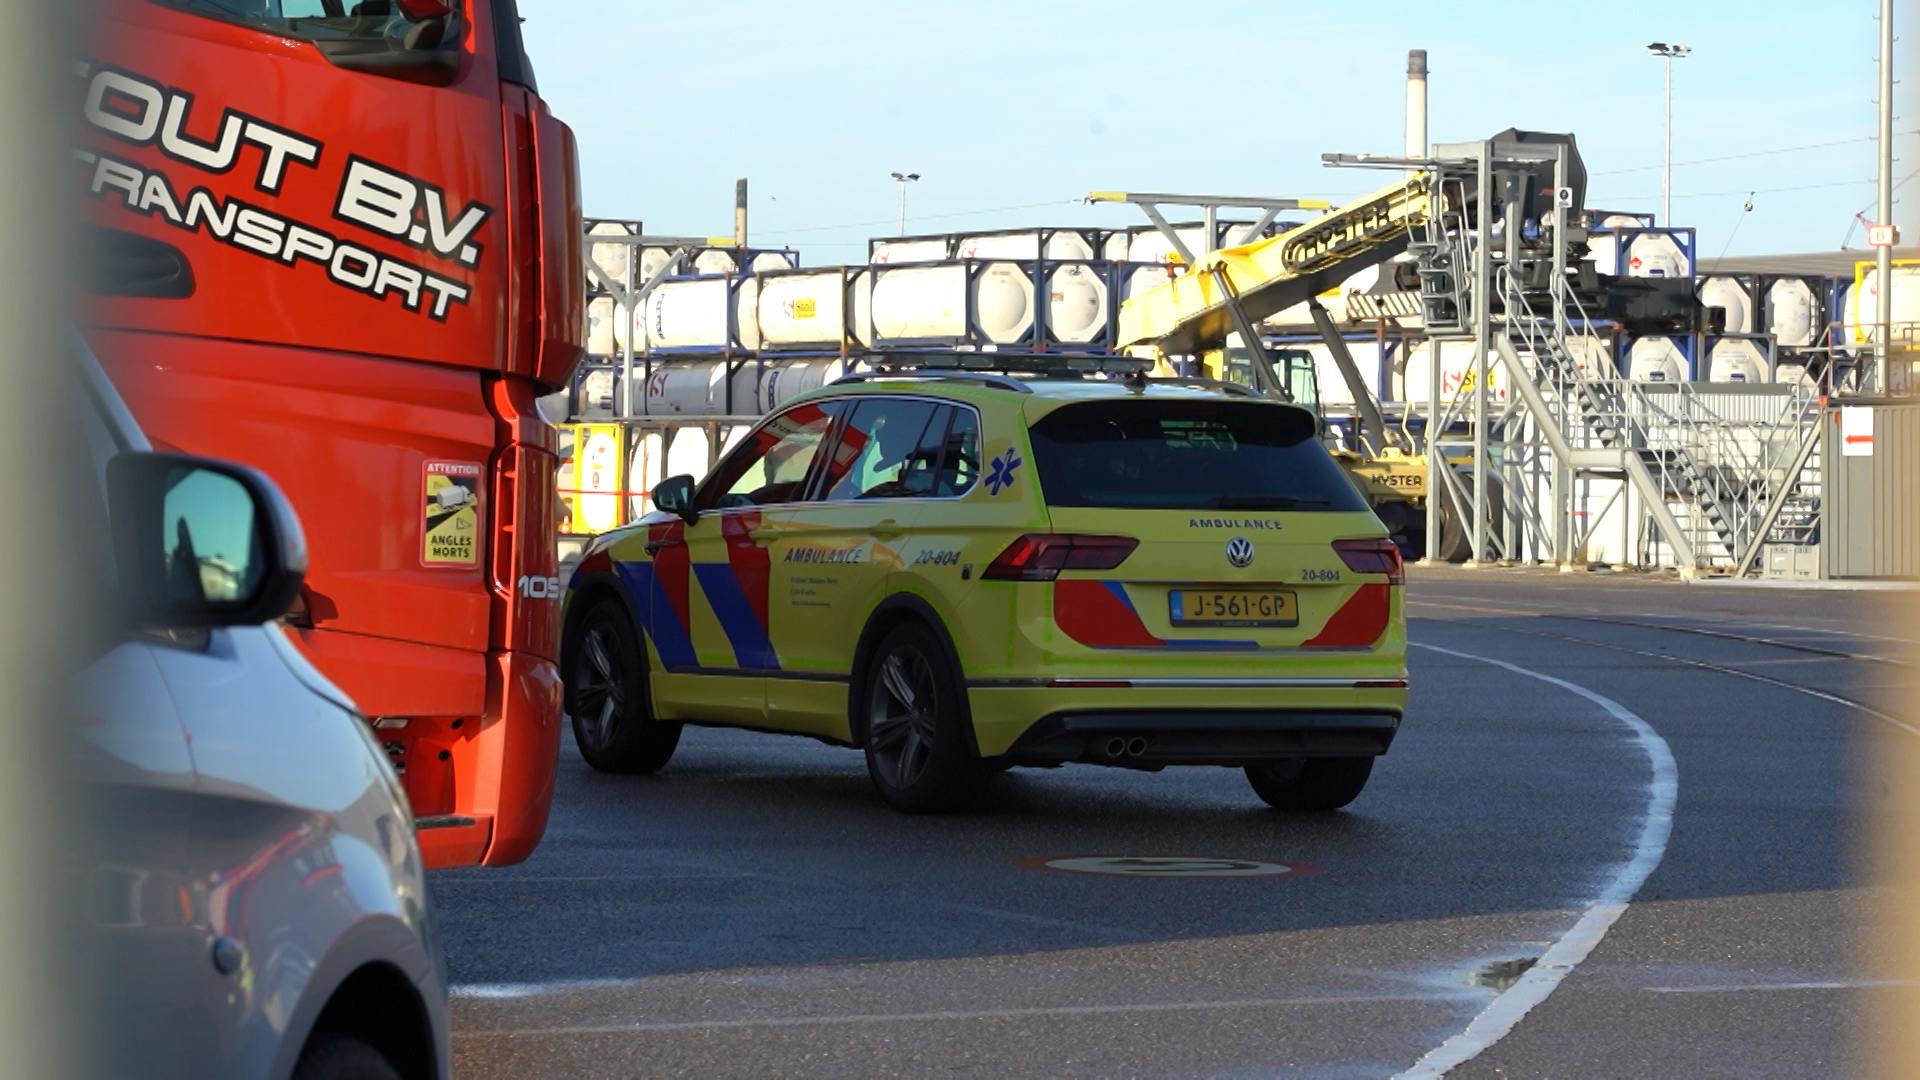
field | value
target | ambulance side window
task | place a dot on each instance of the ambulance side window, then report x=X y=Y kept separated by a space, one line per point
x=888 y=449
x=773 y=464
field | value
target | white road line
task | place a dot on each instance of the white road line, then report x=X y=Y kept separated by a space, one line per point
x=953 y=1015
x=1504 y=1012
x=1722 y=669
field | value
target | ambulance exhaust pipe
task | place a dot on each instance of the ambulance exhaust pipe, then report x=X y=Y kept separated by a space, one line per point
x=1116 y=747
x=1136 y=746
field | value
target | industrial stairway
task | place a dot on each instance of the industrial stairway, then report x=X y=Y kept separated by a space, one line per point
x=1716 y=487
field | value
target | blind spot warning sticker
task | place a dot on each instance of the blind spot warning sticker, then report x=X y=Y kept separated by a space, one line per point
x=450 y=514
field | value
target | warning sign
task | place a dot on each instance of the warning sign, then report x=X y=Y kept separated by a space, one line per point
x=450 y=514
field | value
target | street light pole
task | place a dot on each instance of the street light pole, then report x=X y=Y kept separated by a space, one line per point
x=1883 y=253
x=903 y=179
x=1668 y=53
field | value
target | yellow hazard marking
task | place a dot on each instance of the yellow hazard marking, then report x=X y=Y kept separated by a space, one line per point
x=450 y=514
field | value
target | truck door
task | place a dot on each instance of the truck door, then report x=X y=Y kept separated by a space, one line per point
x=327 y=227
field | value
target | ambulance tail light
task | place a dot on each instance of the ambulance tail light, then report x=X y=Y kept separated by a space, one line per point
x=1373 y=557
x=1041 y=556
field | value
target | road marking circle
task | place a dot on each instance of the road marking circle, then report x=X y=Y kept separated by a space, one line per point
x=1157 y=866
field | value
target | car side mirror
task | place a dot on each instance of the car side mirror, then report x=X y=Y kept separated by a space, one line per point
x=202 y=543
x=674 y=495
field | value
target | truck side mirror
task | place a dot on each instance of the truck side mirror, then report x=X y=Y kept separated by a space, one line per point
x=674 y=495
x=202 y=543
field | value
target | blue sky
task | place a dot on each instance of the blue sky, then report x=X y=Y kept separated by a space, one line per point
x=1012 y=110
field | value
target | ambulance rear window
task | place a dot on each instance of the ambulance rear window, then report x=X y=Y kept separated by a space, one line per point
x=1188 y=455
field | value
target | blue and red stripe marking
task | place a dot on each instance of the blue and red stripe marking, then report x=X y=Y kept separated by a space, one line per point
x=1100 y=615
x=737 y=591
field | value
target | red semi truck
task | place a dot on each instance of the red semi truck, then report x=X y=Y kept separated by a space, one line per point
x=340 y=241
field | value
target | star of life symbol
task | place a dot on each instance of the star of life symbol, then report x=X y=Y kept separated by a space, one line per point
x=1000 y=473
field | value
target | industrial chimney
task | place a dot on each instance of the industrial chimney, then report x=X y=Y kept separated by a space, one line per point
x=1416 y=103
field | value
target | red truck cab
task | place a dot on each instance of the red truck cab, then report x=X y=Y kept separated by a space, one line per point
x=340 y=241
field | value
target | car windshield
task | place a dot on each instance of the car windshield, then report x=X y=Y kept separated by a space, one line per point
x=1188 y=455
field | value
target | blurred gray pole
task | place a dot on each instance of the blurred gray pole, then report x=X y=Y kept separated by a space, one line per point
x=1416 y=134
x=1883 y=256
x=740 y=212
x=1666 y=173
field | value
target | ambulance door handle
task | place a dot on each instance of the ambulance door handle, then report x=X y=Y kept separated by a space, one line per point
x=655 y=547
x=887 y=529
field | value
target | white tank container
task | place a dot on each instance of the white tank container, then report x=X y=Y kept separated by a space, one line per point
x=1863 y=310
x=555 y=408
x=1657 y=255
x=1729 y=295
x=1656 y=359
x=1456 y=371
x=910 y=251
x=1077 y=304
x=1064 y=244
x=601 y=315
x=1604 y=246
x=1736 y=360
x=700 y=388
x=1152 y=246
x=1795 y=310
x=770 y=260
x=694 y=313
x=655 y=259
x=930 y=302
x=1593 y=355
x=1235 y=235
x=1334 y=390
x=714 y=261
x=657 y=456
x=610 y=258
x=798 y=311
x=1788 y=371
x=1144 y=278
x=787 y=380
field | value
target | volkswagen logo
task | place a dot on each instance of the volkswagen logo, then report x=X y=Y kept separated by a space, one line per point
x=1240 y=552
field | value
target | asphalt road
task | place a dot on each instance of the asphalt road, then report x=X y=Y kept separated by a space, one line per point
x=755 y=911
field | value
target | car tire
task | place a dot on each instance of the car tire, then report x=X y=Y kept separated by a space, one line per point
x=342 y=1057
x=1310 y=785
x=608 y=699
x=914 y=723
